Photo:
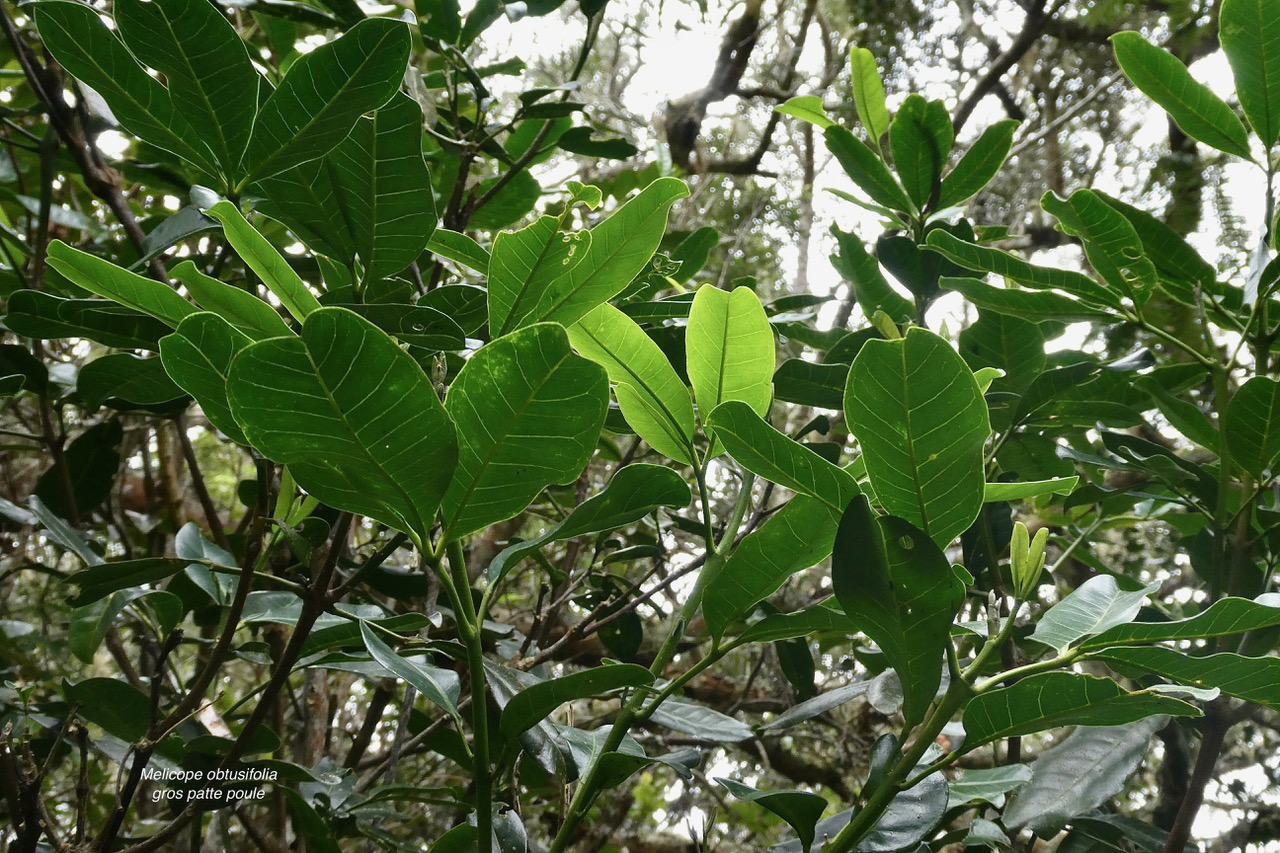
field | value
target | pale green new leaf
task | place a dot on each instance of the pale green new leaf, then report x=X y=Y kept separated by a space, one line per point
x=806 y=108
x=1095 y=606
x=528 y=413
x=198 y=358
x=249 y=314
x=994 y=492
x=211 y=81
x=621 y=247
x=325 y=93
x=263 y=259
x=653 y=399
x=82 y=44
x=730 y=350
x=764 y=451
x=523 y=266
x=352 y=415
x=1250 y=34
x=919 y=415
x=1051 y=700
x=868 y=92
x=1198 y=111
x=103 y=278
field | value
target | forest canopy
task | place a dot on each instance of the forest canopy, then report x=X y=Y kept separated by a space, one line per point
x=607 y=425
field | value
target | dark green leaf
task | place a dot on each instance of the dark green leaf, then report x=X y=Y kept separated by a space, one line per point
x=920 y=137
x=700 y=722
x=1011 y=266
x=862 y=271
x=1035 y=305
x=1250 y=35
x=1110 y=242
x=978 y=165
x=198 y=358
x=88 y=469
x=800 y=809
x=524 y=265
x=986 y=785
x=439 y=686
x=535 y=703
x=865 y=168
x=126 y=381
x=1252 y=679
x=1252 y=426
x=1223 y=618
x=99 y=581
x=121 y=709
x=810 y=384
x=459 y=248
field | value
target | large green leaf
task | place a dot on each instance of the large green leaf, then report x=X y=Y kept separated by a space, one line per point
x=800 y=809
x=35 y=314
x=535 y=703
x=621 y=246
x=76 y=36
x=1095 y=606
x=868 y=92
x=105 y=279
x=528 y=413
x=634 y=491
x=986 y=259
x=896 y=585
x=1252 y=424
x=198 y=358
x=384 y=188
x=654 y=401
x=862 y=271
x=986 y=784
x=865 y=168
x=811 y=384
x=1250 y=34
x=88 y=469
x=440 y=686
x=1050 y=700
x=352 y=415
x=523 y=266
x=246 y=312
x=798 y=536
x=1252 y=679
x=1033 y=305
x=121 y=709
x=1110 y=242
x=978 y=165
x=701 y=722
x=461 y=249
x=98 y=581
x=730 y=350
x=211 y=81
x=325 y=93
x=1162 y=77
x=1223 y=618
x=764 y=451
x=1089 y=767
x=260 y=256
x=919 y=415
x=125 y=380
x=920 y=137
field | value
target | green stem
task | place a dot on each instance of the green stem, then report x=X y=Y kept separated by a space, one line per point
x=468 y=622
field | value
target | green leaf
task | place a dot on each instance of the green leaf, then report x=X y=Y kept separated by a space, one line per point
x=1085 y=770
x=1173 y=256
x=810 y=384
x=352 y=415
x=99 y=581
x=1252 y=427
x=1050 y=700
x=534 y=704
x=865 y=168
x=654 y=401
x=82 y=44
x=1012 y=344
x=121 y=709
x=764 y=451
x=823 y=618
x=459 y=248
x=621 y=246
x=1110 y=242
x=206 y=67
x=896 y=585
x=996 y=492
x=1250 y=34
x=260 y=256
x=524 y=265
x=246 y=312
x=439 y=686
x=510 y=204
x=124 y=378
x=1252 y=679
x=324 y=95
x=1223 y=618
x=198 y=358
x=730 y=350
x=35 y=314
x=105 y=279
x=414 y=324
x=1095 y=606
x=1162 y=77
x=806 y=108
x=1013 y=267
x=700 y=722
x=634 y=491
x=862 y=271
x=868 y=93
x=919 y=415
x=920 y=137
x=978 y=165
x=800 y=809
x=528 y=413
x=798 y=536
x=986 y=785
x=88 y=468
x=384 y=189
x=1034 y=305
